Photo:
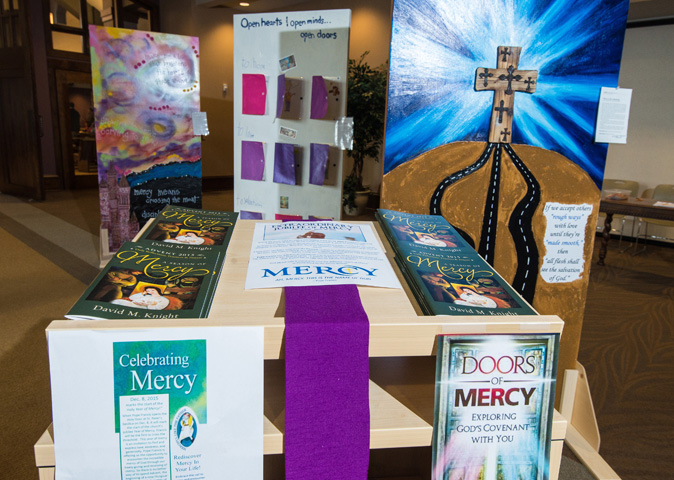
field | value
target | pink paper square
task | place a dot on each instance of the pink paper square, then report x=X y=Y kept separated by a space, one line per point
x=254 y=87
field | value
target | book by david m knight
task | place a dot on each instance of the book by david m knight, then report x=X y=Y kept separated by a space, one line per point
x=494 y=401
x=152 y=281
x=461 y=284
x=190 y=226
x=446 y=275
x=409 y=229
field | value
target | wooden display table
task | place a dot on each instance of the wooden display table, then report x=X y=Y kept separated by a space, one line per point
x=402 y=363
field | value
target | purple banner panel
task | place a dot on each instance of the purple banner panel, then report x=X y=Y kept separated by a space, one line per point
x=252 y=160
x=318 y=161
x=254 y=88
x=246 y=215
x=280 y=94
x=284 y=163
x=327 y=416
x=319 y=97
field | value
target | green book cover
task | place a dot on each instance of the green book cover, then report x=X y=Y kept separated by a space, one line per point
x=494 y=403
x=461 y=284
x=408 y=229
x=189 y=226
x=152 y=281
x=445 y=274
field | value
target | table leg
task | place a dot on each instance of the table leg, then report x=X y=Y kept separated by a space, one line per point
x=605 y=236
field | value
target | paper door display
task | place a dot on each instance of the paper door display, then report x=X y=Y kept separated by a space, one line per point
x=254 y=89
x=285 y=54
x=285 y=164
x=289 y=98
x=318 y=162
x=252 y=160
x=326 y=98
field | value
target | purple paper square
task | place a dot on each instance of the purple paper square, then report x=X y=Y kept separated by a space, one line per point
x=319 y=97
x=280 y=94
x=246 y=215
x=318 y=161
x=284 y=163
x=252 y=160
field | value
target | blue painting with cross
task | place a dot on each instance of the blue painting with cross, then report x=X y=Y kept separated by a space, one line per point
x=440 y=50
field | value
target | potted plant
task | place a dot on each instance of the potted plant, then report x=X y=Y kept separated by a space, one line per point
x=366 y=104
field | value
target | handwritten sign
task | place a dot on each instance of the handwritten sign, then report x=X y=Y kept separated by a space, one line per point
x=564 y=242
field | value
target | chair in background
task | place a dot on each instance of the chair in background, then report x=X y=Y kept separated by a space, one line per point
x=664 y=193
x=617 y=184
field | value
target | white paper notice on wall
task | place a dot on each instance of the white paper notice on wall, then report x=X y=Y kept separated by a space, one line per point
x=564 y=241
x=199 y=123
x=613 y=115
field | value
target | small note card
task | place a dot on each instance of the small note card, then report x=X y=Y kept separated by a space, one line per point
x=199 y=123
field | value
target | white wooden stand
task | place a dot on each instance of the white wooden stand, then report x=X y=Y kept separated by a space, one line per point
x=402 y=364
x=582 y=433
x=104 y=248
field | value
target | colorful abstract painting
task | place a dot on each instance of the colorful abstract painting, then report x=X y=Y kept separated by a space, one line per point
x=146 y=88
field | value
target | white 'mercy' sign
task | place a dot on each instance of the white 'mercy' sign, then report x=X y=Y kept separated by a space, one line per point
x=317 y=253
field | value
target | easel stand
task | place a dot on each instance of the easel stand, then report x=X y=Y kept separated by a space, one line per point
x=582 y=432
x=104 y=248
x=402 y=366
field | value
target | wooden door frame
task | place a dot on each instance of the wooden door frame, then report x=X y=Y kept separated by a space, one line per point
x=62 y=78
x=20 y=61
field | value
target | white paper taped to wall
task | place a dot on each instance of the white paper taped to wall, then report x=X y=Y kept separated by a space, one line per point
x=613 y=115
x=564 y=241
x=199 y=123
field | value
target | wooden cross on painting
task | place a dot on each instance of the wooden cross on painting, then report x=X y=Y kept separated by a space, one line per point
x=505 y=80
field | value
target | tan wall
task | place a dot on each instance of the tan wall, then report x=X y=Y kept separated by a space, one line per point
x=371 y=26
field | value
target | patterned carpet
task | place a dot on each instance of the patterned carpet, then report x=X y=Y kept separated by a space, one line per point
x=627 y=348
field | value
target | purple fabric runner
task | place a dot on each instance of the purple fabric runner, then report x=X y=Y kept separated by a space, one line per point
x=319 y=97
x=327 y=415
x=318 y=160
